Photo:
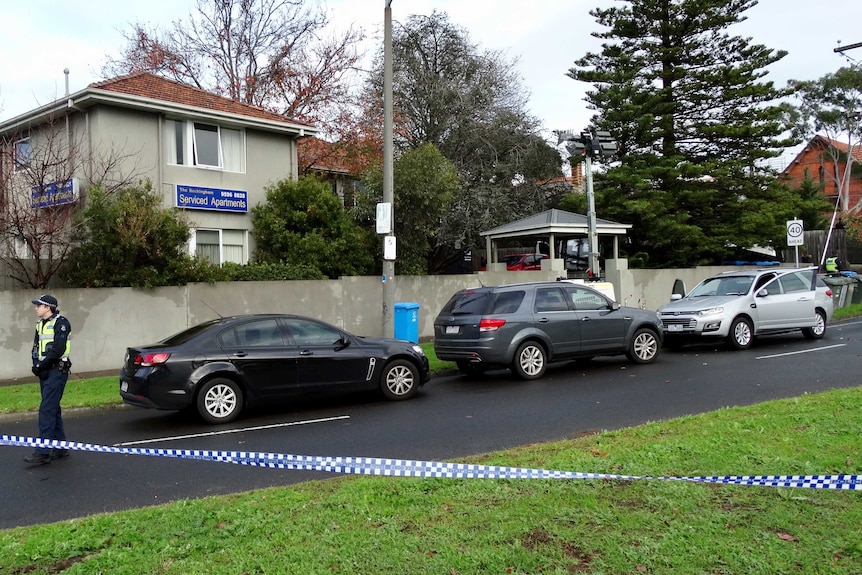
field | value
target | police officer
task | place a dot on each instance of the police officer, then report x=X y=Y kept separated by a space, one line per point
x=51 y=364
x=832 y=264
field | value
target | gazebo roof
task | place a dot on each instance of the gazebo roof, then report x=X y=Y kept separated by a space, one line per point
x=555 y=222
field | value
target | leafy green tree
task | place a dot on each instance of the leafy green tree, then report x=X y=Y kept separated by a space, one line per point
x=303 y=223
x=471 y=104
x=694 y=120
x=126 y=238
x=426 y=183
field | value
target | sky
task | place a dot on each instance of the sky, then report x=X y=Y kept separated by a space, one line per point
x=44 y=37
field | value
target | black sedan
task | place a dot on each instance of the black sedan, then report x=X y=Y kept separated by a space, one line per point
x=224 y=365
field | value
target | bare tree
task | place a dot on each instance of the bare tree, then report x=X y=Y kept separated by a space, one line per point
x=268 y=53
x=44 y=175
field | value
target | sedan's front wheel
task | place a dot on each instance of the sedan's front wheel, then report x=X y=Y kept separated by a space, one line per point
x=530 y=361
x=219 y=401
x=644 y=347
x=400 y=380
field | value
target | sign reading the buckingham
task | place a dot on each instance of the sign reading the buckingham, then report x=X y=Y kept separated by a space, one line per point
x=195 y=198
x=54 y=194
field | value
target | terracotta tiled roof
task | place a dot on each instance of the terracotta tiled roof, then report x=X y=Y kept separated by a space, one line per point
x=147 y=85
x=842 y=147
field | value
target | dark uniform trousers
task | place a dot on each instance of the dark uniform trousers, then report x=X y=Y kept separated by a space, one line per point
x=50 y=420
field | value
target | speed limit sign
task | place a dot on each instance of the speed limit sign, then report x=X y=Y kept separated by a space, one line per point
x=795 y=237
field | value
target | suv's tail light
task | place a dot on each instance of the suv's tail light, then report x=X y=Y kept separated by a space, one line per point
x=151 y=359
x=829 y=292
x=491 y=324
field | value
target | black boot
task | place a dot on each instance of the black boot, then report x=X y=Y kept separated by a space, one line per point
x=38 y=458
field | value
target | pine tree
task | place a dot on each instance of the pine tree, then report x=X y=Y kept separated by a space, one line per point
x=694 y=119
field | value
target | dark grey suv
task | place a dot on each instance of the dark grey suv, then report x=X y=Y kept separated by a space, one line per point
x=526 y=326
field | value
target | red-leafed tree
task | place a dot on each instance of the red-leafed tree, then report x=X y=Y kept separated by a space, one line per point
x=277 y=54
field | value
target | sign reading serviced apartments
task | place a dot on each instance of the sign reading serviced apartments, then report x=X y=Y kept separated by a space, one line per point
x=195 y=198
x=55 y=194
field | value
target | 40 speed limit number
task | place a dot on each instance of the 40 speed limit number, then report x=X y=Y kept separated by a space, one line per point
x=795 y=235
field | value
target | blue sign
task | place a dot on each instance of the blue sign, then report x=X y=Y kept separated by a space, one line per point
x=195 y=198
x=54 y=194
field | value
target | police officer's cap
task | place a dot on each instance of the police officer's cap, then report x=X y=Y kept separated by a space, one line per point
x=46 y=299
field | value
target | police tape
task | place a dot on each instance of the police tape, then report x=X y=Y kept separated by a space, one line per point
x=412 y=468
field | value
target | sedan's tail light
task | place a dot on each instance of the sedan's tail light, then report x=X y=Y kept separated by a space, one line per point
x=491 y=324
x=151 y=359
x=829 y=292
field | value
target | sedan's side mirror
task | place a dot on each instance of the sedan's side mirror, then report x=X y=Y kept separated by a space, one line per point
x=763 y=292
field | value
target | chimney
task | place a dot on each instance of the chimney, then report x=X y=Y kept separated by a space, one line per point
x=578 y=176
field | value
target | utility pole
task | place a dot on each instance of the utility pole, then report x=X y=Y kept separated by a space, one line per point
x=589 y=145
x=388 y=180
x=840 y=49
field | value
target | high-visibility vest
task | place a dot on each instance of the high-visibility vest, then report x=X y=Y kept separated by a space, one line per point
x=831 y=264
x=46 y=337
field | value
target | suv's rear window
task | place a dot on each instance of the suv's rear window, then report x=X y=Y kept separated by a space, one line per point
x=468 y=302
x=484 y=302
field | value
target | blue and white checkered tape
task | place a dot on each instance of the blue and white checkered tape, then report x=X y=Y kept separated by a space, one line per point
x=412 y=468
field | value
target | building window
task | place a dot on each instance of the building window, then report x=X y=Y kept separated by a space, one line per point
x=206 y=145
x=207 y=149
x=220 y=246
x=23 y=152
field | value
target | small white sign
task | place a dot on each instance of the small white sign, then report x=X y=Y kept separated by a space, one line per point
x=795 y=235
x=389 y=248
x=384 y=218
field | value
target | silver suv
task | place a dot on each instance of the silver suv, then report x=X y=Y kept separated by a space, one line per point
x=526 y=326
x=737 y=306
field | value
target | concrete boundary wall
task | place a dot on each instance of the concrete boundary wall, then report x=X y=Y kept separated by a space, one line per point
x=105 y=321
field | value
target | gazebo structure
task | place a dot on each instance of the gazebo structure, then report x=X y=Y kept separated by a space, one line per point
x=551 y=226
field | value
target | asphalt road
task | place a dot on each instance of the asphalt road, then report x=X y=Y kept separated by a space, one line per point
x=453 y=417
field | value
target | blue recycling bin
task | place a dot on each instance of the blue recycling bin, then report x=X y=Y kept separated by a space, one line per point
x=407 y=321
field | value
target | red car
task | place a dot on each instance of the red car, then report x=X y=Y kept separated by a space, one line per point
x=523 y=262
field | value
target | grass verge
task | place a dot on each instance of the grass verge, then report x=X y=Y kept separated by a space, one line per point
x=362 y=525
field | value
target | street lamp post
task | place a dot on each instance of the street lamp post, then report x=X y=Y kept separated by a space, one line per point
x=388 y=179
x=589 y=144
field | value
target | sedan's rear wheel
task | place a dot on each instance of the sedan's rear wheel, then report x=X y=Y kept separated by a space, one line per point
x=741 y=334
x=400 y=380
x=644 y=347
x=530 y=361
x=819 y=329
x=219 y=400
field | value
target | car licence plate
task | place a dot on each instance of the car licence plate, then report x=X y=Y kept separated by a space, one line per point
x=452 y=329
x=675 y=327
x=124 y=386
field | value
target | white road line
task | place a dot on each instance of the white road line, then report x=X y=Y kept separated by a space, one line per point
x=226 y=431
x=801 y=351
x=842 y=324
